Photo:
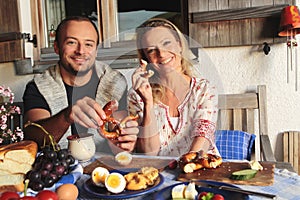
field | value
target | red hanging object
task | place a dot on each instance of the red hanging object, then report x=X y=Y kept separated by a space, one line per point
x=290 y=27
x=290 y=21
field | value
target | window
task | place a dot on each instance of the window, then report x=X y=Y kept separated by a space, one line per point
x=119 y=19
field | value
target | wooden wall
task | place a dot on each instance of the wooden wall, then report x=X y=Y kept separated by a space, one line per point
x=234 y=22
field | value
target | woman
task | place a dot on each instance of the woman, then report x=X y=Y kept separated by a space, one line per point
x=178 y=111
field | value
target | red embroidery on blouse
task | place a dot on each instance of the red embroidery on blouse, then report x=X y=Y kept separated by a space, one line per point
x=204 y=128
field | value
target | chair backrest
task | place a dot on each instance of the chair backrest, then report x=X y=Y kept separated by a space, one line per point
x=291 y=150
x=242 y=112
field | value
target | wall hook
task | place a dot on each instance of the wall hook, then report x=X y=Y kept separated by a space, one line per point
x=266 y=48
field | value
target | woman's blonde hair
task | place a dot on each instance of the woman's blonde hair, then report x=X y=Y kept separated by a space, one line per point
x=158 y=90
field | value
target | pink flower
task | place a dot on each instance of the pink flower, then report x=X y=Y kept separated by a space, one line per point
x=3 y=119
x=3 y=126
x=6 y=109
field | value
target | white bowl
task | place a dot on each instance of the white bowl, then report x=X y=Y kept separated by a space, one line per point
x=82 y=147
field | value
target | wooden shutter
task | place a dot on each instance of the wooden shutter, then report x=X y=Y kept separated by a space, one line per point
x=11 y=43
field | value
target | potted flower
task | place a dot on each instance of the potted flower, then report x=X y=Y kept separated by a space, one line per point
x=8 y=132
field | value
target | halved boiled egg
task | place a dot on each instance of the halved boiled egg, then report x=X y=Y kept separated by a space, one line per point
x=99 y=175
x=123 y=158
x=115 y=182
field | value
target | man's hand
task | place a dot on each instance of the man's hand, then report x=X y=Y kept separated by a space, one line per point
x=87 y=112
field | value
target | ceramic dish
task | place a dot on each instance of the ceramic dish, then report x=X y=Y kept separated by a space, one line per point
x=101 y=192
x=166 y=193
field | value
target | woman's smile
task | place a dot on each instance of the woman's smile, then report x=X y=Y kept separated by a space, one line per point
x=167 y=60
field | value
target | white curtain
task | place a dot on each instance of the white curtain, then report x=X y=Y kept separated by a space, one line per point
x=55 y=12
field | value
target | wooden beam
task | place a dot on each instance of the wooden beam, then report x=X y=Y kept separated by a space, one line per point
x=236 y=14
x=10 y=36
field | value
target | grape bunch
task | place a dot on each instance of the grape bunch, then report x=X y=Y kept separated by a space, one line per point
x=48 y=168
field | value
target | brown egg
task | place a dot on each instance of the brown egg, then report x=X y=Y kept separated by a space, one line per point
x=67 y=191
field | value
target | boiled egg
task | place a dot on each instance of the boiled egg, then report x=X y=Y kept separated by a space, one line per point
x=123 y=158
x=115 y=182
x=99 y=175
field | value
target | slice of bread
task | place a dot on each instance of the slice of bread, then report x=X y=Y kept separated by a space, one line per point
x=15 y=161
x=11 y=179
x=22 y=152
x=12 y=188
x=12 y=167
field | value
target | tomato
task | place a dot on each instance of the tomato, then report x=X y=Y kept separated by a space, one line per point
x=46 y=195
x=202 y=194
x=9 y=196
x=217 y=197
x=205 y=196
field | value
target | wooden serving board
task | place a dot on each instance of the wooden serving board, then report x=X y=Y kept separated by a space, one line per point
x=264 y=177
x=137 y=162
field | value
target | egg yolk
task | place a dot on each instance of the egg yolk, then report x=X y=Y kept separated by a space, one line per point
x=122 y=157
x=113 y=181
x=99 y=177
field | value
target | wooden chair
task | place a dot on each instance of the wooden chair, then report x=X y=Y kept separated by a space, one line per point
x=243 y=112
x=291 y=150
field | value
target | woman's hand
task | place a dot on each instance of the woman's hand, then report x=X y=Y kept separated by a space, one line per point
x=127 y=137
x=140 y=82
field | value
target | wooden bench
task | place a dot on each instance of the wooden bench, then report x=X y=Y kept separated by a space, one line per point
x=291 y=151
x=243 y=112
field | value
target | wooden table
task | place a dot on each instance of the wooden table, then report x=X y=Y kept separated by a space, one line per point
x=170 y=178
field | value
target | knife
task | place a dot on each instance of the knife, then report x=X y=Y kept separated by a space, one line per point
x=233 y=189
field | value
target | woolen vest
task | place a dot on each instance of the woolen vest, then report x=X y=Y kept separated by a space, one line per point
x=112 y=85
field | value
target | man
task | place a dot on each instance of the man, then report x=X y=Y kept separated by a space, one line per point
x=68 y=98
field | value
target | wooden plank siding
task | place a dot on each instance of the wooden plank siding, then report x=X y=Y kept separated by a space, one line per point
x=291 y=151
x=11 y=46
x=11 y=50
x=235 y=23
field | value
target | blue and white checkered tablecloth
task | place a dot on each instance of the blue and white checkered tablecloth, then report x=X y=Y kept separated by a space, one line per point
x=286 y=186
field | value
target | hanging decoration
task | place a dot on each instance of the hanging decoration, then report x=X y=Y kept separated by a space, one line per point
x=290 y=27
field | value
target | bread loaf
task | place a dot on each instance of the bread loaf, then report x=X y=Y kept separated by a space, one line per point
x=12 y=179
x=12 y=188
x=8 y=166
x=22 y=152
x=15 y=161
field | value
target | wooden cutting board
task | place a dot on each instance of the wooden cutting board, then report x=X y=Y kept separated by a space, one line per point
x=264 y=177
x=137 y=162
